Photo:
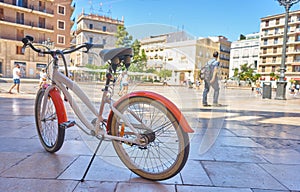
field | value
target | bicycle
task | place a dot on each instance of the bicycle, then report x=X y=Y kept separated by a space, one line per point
x=148 y=131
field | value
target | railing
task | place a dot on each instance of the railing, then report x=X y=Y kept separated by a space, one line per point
x=27 y=23
x=32 y=7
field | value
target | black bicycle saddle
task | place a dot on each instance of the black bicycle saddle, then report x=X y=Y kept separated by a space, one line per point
x=108 y=54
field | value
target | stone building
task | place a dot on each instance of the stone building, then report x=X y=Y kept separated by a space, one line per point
x=97 y=29
x=271 y=41
x=48 y=21
x=244 y=51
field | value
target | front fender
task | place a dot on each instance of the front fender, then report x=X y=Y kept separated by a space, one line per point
x=59 y=105
x=166 y=102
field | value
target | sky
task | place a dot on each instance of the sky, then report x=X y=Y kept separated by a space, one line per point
x=199 y=18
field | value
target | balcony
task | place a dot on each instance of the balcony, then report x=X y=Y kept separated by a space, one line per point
x=30 y=8
x=24 y=23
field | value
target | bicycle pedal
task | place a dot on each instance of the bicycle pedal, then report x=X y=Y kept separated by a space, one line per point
x=67 y=124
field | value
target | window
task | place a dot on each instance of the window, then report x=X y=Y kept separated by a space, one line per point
x=276 y=41
x=42 y=22
x=255 y=52
x=245 y=53
x=296 y=68
x=298 y=38
x=297 y=59
x=264 y=60
x=255 y=64
x=20 y=18
x=91 y=40
x=104 y=28
x=61 y=25
x=276 y=30
x=263 y=69
x=91 y=26
x=267 y=24
x=273 y=68
x=265 y=41
x=42 y=5
x=264 y=51
x=266 y=32
x=19 y=3
x=1 y=14
x=61 y=10
x=61 y=39
x=277 y=21
x=19 y=50
x=20 y=34
x=274 y=60
x=275 y=50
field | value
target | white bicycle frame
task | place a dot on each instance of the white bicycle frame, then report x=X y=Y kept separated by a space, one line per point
x=61 y=81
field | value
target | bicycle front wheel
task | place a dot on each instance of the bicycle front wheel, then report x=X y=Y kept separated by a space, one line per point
x=166 y=147
x=51 y=136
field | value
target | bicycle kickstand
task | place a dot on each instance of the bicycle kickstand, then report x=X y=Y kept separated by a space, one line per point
x=91 y=161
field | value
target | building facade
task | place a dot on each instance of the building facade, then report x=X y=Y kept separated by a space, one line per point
x=185 y=56
x=95 y=29
x=48 y=21
x=172 y=51
x=271 y=41
x=244 y=51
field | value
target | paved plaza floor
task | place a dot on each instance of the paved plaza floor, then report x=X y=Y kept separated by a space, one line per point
x=248 y=145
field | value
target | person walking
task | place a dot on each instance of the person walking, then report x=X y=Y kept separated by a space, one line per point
x=211 y=79
x=16 y=79
x=124 y=82
x=43 y=77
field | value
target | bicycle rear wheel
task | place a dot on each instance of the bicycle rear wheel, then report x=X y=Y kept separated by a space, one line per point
x=51 y=136
x=167 y=145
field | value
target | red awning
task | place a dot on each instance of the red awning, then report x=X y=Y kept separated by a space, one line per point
x=296 y=79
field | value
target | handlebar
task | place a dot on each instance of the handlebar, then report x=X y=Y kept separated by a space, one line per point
x=27 y=41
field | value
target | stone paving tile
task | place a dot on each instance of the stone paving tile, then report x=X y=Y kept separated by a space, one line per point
x=187 y=188
x=233 y=154
x=288 y=175
x=36 y=185
x=194 y=174
x=280 y=156
x=174 y=180
x=137 y=187
x=265 y=190
x=9 y=159
x=24 y=145
x=242 y=175
x=40 y=165
x=96 y=186
x=100 y=170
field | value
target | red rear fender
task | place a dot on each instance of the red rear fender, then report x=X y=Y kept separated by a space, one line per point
x=166 y=102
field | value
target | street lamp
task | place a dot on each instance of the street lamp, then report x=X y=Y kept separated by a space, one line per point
x=281 y=84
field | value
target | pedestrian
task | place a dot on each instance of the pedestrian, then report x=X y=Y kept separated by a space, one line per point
x=258 y=87
x=43 y=77
x=16 y=78
x=211 y=79
x=124 y=82
x=297 y=88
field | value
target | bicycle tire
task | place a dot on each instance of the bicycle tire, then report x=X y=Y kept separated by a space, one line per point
x=166 y=153
x=50 y=135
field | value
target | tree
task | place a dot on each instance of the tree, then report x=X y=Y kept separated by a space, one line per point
x=164 y=73
x=123 y=37
x=246 y=73
x=139 y=59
